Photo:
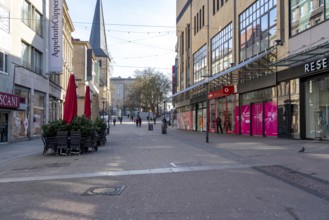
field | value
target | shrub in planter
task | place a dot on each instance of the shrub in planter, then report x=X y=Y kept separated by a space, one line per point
x=50 y=129
x=100 y=125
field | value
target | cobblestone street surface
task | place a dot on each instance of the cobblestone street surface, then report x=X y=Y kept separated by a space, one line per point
x=141 y=174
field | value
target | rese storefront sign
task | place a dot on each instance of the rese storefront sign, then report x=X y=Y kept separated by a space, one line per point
x=9 y=100
x=316 y=65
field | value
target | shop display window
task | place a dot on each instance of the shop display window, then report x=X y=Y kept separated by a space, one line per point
x=21 y=117
x=38 y=113
x=317 y=108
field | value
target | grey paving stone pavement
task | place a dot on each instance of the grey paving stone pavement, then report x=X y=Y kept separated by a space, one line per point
x=167 y=176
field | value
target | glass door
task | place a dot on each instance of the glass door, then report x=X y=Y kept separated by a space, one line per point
x=3 y=127
x=212 y=116
x=317 y=108
x=229 y=116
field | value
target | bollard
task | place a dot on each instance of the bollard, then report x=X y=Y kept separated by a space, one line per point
x=164 y=129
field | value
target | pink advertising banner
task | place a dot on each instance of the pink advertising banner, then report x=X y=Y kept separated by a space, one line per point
x=245 y=119
x=271 y=120
x=257 y=119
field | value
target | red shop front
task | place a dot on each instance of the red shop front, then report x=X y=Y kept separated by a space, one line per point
x=222 y=104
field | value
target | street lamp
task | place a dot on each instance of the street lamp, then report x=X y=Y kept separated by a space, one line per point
x=207 y=112
x=108 y=120
x=103 y=109
x=207 y=108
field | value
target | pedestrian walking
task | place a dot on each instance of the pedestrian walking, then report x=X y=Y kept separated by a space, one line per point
x=140 y=122
x=219 y=125
x=114 y=120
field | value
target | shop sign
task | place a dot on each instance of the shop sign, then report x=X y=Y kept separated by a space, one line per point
x=316 y=65
x=55 y=36
x=226 y=90
x=9 y=100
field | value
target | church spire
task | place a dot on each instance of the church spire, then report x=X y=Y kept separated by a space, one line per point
x=97 y=38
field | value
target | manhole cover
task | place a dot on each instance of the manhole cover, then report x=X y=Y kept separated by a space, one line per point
x=107 y=191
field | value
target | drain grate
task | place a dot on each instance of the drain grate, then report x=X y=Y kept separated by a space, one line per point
x=105 y=191
x=316 y=186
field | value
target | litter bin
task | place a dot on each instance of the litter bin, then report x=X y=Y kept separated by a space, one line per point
x=150 y=127
x=164 y=128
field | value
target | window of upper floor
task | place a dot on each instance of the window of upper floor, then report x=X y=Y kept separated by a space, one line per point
x=32 y=17
x=258 y=28
x=3 y=63
x=200 y=64
x=32 y=58
x=199 y=20
x=4 y=19
x=305 y=14
x=221 y=50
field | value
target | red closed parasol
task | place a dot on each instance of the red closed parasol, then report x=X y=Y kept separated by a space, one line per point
x=87 y=111
x=71 y=102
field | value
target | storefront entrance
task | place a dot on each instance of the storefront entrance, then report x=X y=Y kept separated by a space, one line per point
x=317 y=108
x=257 y=119
x=3 y=127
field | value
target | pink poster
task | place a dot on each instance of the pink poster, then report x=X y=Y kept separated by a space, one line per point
x=271 y=120
x=257 y=119
x=245 y=119
x=188 y=121
x=237 y=120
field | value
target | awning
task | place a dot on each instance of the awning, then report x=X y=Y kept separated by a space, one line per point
x=313 y=53
x=227 y=71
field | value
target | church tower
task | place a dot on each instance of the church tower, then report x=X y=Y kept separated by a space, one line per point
x=98 y=42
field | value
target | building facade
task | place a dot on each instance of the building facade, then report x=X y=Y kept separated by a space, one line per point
x=36 y=61
x=23 y=68
x=120 y=92
x=242 y=61
x=86 y=69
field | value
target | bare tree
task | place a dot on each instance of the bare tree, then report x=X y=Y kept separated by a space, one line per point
x=149 y=89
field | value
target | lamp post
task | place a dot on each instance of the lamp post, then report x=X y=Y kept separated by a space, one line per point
x=103 y=109
x=108 y=120
x=207 y=112
x=207 y=108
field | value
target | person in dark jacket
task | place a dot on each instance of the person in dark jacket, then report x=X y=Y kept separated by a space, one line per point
x=219 y=125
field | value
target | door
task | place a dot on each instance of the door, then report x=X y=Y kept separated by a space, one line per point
x=257 y=119
x=271 y=119
x=3 y=127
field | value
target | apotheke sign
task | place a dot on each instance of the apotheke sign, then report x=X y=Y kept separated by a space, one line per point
x=9 y=100
x=316 y=65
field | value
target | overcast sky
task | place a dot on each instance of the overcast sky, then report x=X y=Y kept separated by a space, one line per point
x=140 y=33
